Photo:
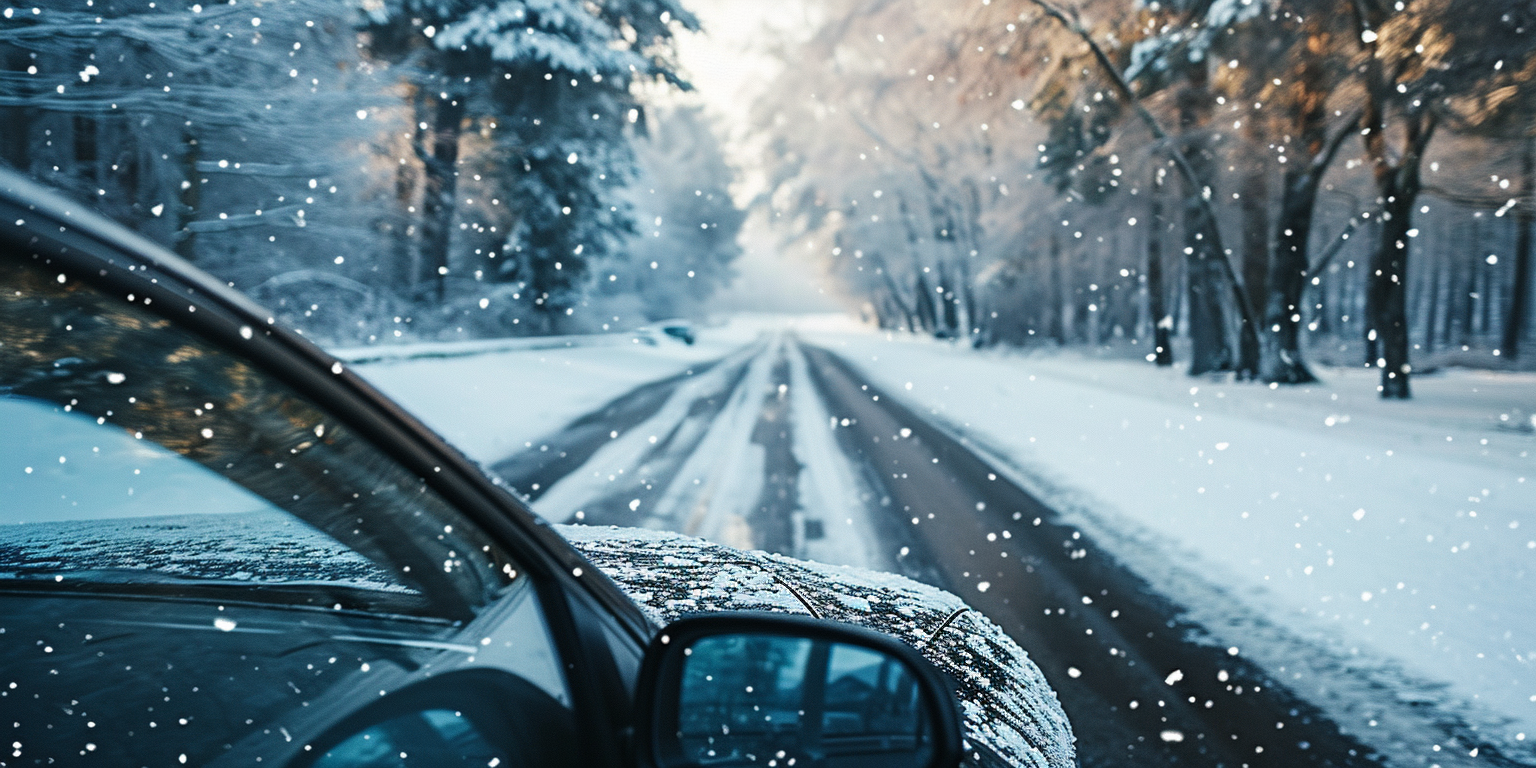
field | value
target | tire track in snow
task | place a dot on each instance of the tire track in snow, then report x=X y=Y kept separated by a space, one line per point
x=738 y=451
x=595 y=468
x=530 y=473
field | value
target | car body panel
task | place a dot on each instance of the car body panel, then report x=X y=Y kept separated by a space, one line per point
x=1007 y=705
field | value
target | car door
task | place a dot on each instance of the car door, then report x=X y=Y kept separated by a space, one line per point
x=215 y=548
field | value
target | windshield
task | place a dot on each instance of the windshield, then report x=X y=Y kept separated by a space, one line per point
x=1189 y=342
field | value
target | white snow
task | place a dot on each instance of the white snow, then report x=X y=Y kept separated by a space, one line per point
x=711 y=494
x=490 y=399
x=829 y=484
x=1400 y=536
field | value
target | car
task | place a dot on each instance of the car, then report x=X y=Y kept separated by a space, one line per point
x=220 y=546
x=682 y=330
x=677 y=330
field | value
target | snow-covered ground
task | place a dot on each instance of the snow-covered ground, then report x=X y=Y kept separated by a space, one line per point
x=1397 y=538
x=492 y=398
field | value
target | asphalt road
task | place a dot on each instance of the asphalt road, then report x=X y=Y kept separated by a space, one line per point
x=1141 y=685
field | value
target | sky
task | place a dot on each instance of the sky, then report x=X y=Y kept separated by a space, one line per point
x=729 y=64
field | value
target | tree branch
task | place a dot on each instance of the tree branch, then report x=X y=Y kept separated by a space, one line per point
x=1338 y=244
x=1129 y=96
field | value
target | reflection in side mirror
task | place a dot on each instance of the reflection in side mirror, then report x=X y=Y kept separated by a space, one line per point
x=772 y=690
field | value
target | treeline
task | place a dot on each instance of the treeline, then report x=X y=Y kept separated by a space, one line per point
x=1263 y=182
x=398 y=168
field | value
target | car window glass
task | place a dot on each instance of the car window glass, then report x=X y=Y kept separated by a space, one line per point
x=200 y=566
x=87 y=501
x=436 y=737
x=156 y=456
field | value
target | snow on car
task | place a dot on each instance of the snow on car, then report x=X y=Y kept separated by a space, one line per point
x=1010 y=710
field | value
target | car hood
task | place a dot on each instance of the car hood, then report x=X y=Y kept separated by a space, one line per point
x=1009 y=708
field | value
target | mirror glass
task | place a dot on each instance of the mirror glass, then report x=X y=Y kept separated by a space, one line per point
x=772 y=700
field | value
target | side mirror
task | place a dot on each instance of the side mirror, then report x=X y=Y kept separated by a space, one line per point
x=766 y=689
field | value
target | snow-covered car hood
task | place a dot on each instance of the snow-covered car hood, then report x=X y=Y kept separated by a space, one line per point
x=1009 y=708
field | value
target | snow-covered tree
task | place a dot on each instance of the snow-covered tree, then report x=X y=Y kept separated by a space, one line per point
x=229 y=132
x=547 y=87
x=686 y=222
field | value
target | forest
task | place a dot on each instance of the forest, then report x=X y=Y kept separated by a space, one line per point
x=1249 y=188
x=395 y=169
x=1247 y=185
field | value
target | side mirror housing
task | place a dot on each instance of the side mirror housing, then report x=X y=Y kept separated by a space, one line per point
x=767 y=689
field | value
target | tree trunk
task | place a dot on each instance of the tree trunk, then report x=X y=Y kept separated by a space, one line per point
x=927 y=316
x=1255 y=208
x=404 y=228
x=894 y=291
x=1209 y=350
x=1397 y=184
x=1157 y=299
x=1482 y=280
x=966 y=294
x=951 y=304
x=1520 y=290
x=1399 y=187
x=440 y=194
x=1461 y=296
x=1282 y=363
x=1055 y=307
x=1432 y=302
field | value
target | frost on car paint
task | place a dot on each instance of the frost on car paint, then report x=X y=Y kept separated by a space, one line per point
x=258 y=547
x=1009 y=708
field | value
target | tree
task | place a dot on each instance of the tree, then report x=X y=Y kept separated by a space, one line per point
x=150 y=111
x=687 y=223
x=549 y=84
x=1301 y=42
x=1422 y=64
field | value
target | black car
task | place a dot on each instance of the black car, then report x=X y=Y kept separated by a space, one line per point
x=219 y=546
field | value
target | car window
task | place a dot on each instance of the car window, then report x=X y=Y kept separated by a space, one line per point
x=91 y=503
x=196 y=562
x=144 y=455
x=433 y=737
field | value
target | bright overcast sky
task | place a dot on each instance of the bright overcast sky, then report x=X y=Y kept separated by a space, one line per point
x=729 y=64
x=730 y=61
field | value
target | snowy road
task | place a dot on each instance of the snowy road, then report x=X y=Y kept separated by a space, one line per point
x=782 y=446
x=1247 y=517
x=725 y=451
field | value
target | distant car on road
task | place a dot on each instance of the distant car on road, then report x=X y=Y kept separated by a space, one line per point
x=681 y=330
x=219 y=546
